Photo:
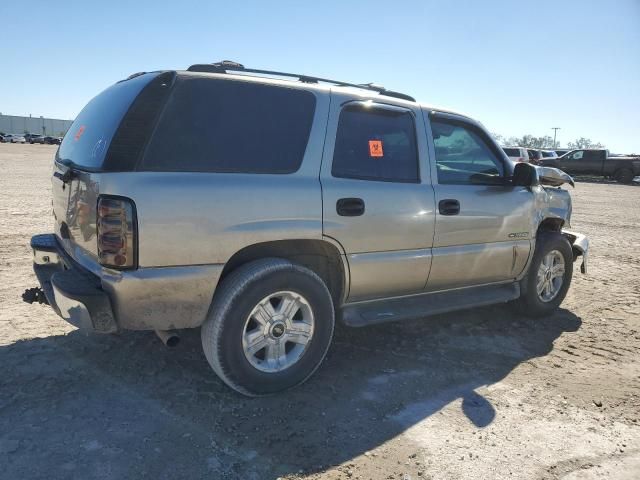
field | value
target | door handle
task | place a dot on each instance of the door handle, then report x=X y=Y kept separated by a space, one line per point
x=449 y=206
x=350 y=207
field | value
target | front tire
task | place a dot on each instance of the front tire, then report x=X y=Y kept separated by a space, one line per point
x=546 y=285
x=269 y=327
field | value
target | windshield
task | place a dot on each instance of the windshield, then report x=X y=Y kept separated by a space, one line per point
x=87 y=141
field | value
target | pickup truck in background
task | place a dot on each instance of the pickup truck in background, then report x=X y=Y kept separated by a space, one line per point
x=596 y=162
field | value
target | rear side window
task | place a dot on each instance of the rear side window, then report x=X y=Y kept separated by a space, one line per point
x=512 y=152
x=376 y=144
x=463 y=155
x=211 y=125
x=90 y=135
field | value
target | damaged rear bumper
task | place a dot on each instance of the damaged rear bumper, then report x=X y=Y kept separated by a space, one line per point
x=73 y=292
x=580 y=247
x=105 y=300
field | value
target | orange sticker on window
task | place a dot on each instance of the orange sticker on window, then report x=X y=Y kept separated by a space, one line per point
x=375 y=148
x=79 y=133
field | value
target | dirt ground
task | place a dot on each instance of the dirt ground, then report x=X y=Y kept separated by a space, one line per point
x=479 y=394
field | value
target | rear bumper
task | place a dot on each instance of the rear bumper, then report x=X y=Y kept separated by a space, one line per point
x=73 y=292
x=104 y=300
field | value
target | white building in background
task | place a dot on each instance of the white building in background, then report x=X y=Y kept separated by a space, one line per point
x=43 y=126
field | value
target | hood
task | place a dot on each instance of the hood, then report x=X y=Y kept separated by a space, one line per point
x=553 y=177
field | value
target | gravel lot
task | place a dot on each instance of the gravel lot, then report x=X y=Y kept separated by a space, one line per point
x=478 y=394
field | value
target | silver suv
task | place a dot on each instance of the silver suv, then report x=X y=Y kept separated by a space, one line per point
x=264 y=206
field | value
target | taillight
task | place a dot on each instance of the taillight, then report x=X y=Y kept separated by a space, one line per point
x=117 y=226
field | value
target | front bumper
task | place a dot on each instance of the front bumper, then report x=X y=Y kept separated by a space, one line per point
x=580 y=247
x=72 y=291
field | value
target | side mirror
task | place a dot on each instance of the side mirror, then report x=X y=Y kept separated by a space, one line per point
x=524 y=175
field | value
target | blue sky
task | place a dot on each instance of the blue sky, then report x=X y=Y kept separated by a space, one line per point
x=519 y=67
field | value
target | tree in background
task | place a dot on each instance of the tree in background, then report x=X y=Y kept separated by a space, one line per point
x=584 y=143
x=500 y=140
x=529 y=141
x=545 y=142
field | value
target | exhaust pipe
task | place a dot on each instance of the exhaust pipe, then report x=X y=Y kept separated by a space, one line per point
x=169 y=337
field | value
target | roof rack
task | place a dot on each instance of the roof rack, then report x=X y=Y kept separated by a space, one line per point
x=229 y=66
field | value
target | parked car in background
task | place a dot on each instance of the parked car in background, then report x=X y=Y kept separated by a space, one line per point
x=597 y=162
x=355 y=220
x=29 y=136
x=548 y=153
x=517 y=154
x=14 y=138
x=1 y=138
x=36 y=139
x=52 y=140
x=534 y=155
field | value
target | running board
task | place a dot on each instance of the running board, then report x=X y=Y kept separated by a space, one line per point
x=422 y=305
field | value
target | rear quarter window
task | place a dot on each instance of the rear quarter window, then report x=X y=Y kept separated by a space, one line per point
x=512 y=152
x=231 y=126
x=87 y=141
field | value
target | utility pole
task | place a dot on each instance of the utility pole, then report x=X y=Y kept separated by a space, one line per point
x=555 y=130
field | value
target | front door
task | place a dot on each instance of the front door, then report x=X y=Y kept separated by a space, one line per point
x=376 y=195
x=482 y=232
x=580 y=162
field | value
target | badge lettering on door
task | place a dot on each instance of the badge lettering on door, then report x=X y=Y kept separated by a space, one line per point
x=519 y=235
x=375 y=148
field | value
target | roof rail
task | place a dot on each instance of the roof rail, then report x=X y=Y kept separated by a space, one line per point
x=229 y=66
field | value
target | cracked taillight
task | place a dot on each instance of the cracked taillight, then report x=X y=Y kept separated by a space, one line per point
x=116 y=225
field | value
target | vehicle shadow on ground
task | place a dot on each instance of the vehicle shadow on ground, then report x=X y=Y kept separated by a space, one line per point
x=126 y=406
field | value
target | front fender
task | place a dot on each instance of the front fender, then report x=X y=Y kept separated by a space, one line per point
x=551 y=204
x=553 y=209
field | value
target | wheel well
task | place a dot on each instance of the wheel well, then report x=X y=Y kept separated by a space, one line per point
x=619 y=173
x=550 y=225
x=318 y=256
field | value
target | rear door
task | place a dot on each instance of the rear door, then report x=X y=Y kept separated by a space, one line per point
x=482 y=231
x=377 y=199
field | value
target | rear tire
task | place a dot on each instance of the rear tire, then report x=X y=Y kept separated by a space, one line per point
x=624 y=175
x=269 y=327
x=543 y=289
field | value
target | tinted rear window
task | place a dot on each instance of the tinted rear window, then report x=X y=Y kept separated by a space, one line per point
x=87 y=141
x=512 y=152
x=212 y=125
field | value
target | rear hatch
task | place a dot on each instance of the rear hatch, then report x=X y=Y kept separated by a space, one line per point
x=107 y=137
